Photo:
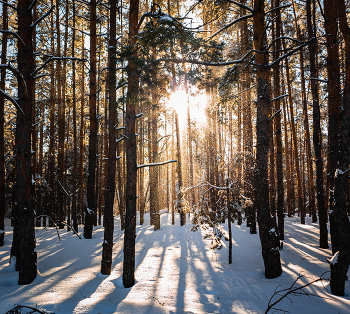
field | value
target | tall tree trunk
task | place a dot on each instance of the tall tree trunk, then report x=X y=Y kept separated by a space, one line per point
x=179 y=200
x=2 y=124
x=52 y=144
x=295 y=144
x=269 y=239
x=279 y=148
x=334 y=104
x=27 y=259
x=340 y=267
x=61 y=124
x=81 y=181
x=106 y=263
x=75 y=144
x=173 y=153
x=154 y=171
x=247 y=132
x=190 y=152
x=130 y=146
x=317 y=135
x=91 y=193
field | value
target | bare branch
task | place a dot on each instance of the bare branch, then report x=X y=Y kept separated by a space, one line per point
x=284 y=37
x=291 y=291
x=83 y=2
x=277 y=112
x=8 y=97
x=156 y=164
x=290 y=52
x=278 y=8
x=79 y=30
x=242 y=18
x=165 y=136
x=42 y=17
x=33 y=4
x=281 y=96
x=12 y=69
x=243 y=6
x=205 y=62
x=54 y=59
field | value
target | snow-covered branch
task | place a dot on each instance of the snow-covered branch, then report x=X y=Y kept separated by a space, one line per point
x=278 y=8
x=286 y=55
x=12 y=33
x=279 y=97
x=276 y=113
x=83 y=2
x=242 y=18
x=291 y=291
x=32 y=4
x=156 y=164
x=43 y=17
x=214 y=64
x=11 y=99
x=286 y=38
x=243 y=6
x=55 y=59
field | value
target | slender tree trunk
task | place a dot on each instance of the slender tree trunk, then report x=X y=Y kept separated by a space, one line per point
x=130 y=146
x=81 y=149
x=317 y=135
x=279 y=148
x=269 y=239
x=295 y=145
x=173 y=152
x=190 y=152
x=154 y=171
x=247 y=132
x=27 y=259
x=61 y=124
x=340 y=268
x=75 y=144
x=91 y=193
x=106 y=263
x=2 y=124
x=179 y=200
x=52 y=145
x=334 y=104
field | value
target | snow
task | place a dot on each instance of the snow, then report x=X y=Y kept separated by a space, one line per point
x=176 y=272
x=334 y=259
x=165 y=19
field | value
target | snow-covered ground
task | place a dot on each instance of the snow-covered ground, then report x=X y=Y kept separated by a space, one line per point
x=176 y=272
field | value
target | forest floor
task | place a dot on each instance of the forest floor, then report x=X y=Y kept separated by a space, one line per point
x=176 y=272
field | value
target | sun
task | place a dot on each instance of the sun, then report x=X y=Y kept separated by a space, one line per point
x=180 y=101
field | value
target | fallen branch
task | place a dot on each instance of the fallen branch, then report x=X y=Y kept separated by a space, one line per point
x=18 y=310
x=291 y=291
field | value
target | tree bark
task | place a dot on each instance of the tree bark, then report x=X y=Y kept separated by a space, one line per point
x=106 y=263
x=2 y=124
x=334 y=104
x=279 y=148
x=91 y=193
x=179 y=199
x=268 y=237
x=130 y=146
x=340 y=268
x=317 y=134
x=295 y=144
x=27 y=259
x=61 y=124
